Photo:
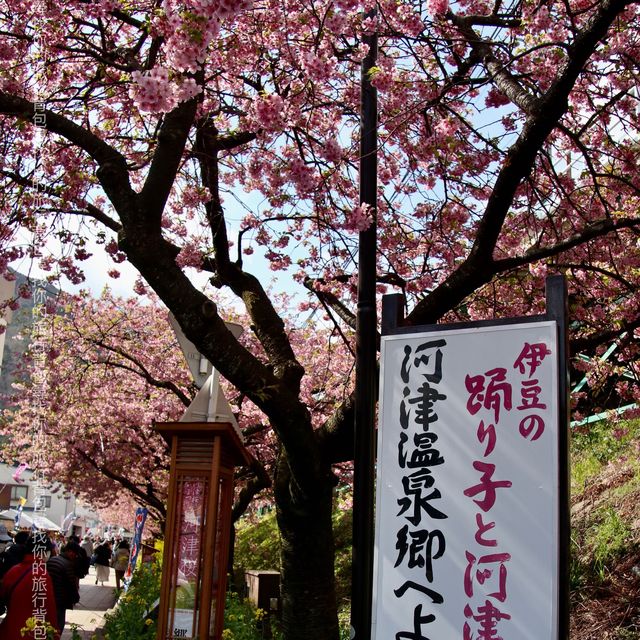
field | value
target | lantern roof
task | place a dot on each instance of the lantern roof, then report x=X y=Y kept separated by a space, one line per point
x=231 y=440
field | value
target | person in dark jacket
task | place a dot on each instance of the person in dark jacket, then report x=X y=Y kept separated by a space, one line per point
x=14 y=553
x=102 y=555
x=64 y=569
x=5 y=538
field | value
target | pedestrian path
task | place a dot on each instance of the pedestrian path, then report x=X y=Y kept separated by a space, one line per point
x=95 y=601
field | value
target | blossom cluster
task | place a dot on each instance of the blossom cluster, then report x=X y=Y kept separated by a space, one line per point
x=269 y=112
x=155 y=92
x=437 y=7
x=360 y=218
x=190 y=256
x=302 y=176
x=318 y=67
x=189 y=27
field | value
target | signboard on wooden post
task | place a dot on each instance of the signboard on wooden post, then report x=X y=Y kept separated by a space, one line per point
x=470 y=486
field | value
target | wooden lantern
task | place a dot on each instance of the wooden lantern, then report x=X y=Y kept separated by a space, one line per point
x=194 y=575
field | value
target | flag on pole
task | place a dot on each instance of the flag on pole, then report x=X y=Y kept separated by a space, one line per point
x=141 y=516
x=66 y=523
x=19 y=512
x=22 y=467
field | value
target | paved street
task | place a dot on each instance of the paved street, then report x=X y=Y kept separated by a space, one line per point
x=95 y=601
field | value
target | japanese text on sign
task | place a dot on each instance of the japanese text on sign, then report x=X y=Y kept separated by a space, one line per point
x=490 y=396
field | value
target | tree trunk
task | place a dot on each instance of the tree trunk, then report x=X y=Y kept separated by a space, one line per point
x=308 y=591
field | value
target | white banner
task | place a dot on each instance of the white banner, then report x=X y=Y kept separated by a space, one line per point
x=467 y=488
x=182 y=623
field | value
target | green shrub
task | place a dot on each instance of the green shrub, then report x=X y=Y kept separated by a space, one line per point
x=344 y=622
x=242 y=621
x=580 y=570
x=604 y=440
x=132 y=620
x=594 y=445
x=342 y=531
x=583 y=468
x=599 y=535
x=257 y=546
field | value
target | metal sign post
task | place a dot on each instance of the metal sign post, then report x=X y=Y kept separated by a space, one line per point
x=366 y=328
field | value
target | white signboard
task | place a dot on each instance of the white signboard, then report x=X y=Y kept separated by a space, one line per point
x=467 y=489
x=182 y=623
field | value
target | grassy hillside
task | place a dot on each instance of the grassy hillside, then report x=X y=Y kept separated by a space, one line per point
x=605 y=517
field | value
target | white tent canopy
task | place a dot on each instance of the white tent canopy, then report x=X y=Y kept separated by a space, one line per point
x=27 y=519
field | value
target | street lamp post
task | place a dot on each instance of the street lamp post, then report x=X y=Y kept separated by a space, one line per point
x=366 y=326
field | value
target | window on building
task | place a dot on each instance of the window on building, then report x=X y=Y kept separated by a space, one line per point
x=18 y=491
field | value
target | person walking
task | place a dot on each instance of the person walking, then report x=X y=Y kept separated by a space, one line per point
x=102 y=554
x=64 y=570
x=14 y=553
x=121 y=561
x=26 y=595
x=87 y=545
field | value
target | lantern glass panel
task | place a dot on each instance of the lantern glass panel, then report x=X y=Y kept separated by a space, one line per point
x=186 y=583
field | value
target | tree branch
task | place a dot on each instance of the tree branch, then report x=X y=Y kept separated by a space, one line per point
x=112 y=166
x=91 y=210
x=268 y=325
x=333 y=303
x=143 y=373
x=590 y=342
x=260 y=481
x=336 y=435
x=592 y=231
x=479 y=268
x=166 y=160
x=144 y=496
x=496 y=69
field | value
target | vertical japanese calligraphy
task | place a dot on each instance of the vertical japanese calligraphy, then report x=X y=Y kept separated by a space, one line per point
x=420 y=542
x=466 y=517
x=42 y=152
x=193 y=496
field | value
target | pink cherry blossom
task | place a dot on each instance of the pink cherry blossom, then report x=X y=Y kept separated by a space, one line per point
x=360 y=218
x=438 y=7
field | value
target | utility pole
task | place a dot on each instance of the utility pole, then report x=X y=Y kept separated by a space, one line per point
x=366 y=327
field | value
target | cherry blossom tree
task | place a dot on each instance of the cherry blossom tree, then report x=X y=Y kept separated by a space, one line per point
x=112 y=368
x=206 y=135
